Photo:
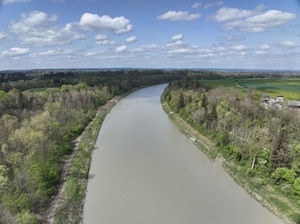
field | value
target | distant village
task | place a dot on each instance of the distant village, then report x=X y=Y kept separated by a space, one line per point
x=278 y=104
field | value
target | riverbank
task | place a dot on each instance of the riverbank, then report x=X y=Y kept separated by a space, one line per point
x=67 y=205
x=261 y=191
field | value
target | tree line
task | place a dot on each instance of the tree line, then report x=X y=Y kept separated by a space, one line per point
x=265 y=143
x=36 y=133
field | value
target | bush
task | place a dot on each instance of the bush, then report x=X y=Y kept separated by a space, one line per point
x=296 y=187
x=27 y=218
x=284 y=174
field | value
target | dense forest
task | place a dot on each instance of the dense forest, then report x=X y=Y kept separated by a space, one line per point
x=263 y=143
x=37 y=129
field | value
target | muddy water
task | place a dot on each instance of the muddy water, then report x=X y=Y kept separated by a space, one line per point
x=145 y=171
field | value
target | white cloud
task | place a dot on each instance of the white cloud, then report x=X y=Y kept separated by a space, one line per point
x=3 y=36
x=273 y=18
x=264 y=47
x=106 y=42
x=196 y=5
x=16 y=51
x=233 y=38
x=121 y=48
x=227 y=14
x=13 y=1
x=93 y=22
x=253 y=21
x=261 y=52
x=101 y=37
x=177 y=37
x=38 y=29
x=146 y=48
x=218 y=3
x=238 y=48
x=91 y=54
x=178 y=16
x=56 y=52
x=176 y=44
x=288 y=44
x=131 y=39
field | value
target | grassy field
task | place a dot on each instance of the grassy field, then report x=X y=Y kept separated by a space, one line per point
x=40 y=89
x=289 y=88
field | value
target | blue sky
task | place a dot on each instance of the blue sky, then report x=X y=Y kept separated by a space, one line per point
x=257 y=34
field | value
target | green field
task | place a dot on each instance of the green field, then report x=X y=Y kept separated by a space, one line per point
x=289 y=88
x=42 y=89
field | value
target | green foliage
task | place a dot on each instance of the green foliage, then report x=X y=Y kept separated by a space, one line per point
x=296 y=186
x=27 y=218
x=284 y=174
x=3 y=178
x=296 y=217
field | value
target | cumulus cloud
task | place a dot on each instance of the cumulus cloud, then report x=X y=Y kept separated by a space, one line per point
x=288 y=45
x=91 y=54
x=38 y=29
x=176 y=44
x=106 y=42
x=272 y=17
x=145 y=48
x=56 y=52
x=227 y=14
x=218 y=3
x=121 y=49
x=94 y=22
x=196 y=5
x=174 y=16
x=101 y=37
x=16 y=51
x=233 y=38
x=3 y=36
x=131 y=39
x=264 y=47
x=261 y=52
x=251 y=20
x=238 y=48
x=177 y=37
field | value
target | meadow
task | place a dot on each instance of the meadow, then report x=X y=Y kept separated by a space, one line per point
x=289 y=88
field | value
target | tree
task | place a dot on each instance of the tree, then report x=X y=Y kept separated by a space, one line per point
x=284 y=174
x=280 y=153
x=296 y=186
x=257 y=140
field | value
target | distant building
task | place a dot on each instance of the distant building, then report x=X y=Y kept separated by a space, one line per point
x=279 y=98
x=265 y=99
x=277 y=105
x=293 y=104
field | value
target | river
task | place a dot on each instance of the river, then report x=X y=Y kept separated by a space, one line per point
x=145 y=171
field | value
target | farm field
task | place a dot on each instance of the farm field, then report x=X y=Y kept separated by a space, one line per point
x=289 y=88
x=41 y=89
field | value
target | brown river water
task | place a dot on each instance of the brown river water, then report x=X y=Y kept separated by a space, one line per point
x=145 y=171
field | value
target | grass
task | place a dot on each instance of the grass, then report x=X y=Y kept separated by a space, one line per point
x=289 y=88
x=40 y=89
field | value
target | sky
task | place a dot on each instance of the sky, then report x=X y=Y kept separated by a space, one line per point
x=45 y=34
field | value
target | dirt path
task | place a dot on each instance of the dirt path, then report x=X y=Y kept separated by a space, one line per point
x=48 y=216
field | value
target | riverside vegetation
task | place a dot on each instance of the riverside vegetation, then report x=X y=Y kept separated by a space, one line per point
x=36 y=134
x=42 y=114
x=259 y=147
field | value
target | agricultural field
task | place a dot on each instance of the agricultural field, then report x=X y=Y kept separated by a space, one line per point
x=289 y=88
x=41 y=89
